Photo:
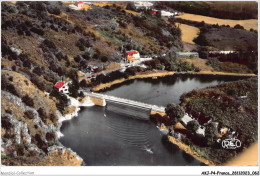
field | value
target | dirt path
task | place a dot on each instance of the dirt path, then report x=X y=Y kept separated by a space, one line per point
x=247 y=24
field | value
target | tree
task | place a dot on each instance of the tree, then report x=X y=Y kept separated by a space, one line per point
x=131 y=6
x=193 y=126
x=77 y=59
x=104 y=58
x=28 y=114
x=159 y=14
x=72 y=74
x=28 y=101
x=211 y=133
x=175 y=113
x=62 y=99
x=83 y=83
x=73 y=89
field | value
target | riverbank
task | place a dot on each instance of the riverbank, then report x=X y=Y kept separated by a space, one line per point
x=147 y=74
x=158 y=73
x=222 y=73
x=161 y=117
x=188 y=150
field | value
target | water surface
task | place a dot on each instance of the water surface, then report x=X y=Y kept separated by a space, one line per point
x=105 y=138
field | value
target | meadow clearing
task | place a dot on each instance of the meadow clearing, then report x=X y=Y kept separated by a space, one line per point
x=247 y=24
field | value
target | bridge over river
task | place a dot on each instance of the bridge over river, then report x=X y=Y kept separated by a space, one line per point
x=134 y=108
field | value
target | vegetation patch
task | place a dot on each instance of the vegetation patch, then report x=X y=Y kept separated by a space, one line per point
x=232 y=105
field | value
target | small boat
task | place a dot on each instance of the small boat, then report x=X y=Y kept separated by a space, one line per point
x=149 y=150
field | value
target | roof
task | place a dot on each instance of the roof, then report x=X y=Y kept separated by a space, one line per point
x=59 y=84
x=80 y=2
x=130 y=53
x=154 y=11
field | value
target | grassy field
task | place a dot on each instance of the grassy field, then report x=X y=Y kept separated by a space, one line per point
x=247 y=24
x=199 y=63
x=188 y=33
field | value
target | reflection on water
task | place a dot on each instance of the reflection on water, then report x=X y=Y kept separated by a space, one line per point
x=106 y=138
x=131 y=131
x=165 y=90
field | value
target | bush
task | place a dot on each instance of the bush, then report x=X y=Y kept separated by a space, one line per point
x=10 y=88
x=83 y=83
x=131 y=71
x=19 y=150
x=214 y=62
x=37 y=31
x=6 y=123
x=28 y=114
x=55 y=11
x=237 y=26
x=50 y=136
x=104 y=58
x=38 y=82
x=47 y=44
x=28 y=101
x=77 y=59
x=40 y=143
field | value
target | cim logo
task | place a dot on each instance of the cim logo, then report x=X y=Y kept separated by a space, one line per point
x=231 y=143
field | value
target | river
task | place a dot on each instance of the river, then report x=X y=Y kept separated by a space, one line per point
x=105 y=138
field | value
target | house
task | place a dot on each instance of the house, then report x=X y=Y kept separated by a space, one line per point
x=187 y=54
x=154 y=11
x=80 y=4
x=132 y=55
x=143 y=4
x=219 y=53
x=62 y=87
x=94 y=68
x=168 y=14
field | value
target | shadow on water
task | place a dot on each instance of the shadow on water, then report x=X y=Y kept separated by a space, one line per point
x=171 y=148
x=188 y=158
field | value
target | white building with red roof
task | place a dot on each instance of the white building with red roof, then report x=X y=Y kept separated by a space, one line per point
x=132 y=55
x=154 y=11
x=80 y=4
x=62 y=87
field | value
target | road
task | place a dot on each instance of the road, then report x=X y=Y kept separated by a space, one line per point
x=123 y=67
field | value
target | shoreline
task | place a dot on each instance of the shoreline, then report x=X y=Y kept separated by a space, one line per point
x=66 y=117
x=189 y=151
x=159 y=73
x=222 y=73
x=181 y=145
x=150 y=74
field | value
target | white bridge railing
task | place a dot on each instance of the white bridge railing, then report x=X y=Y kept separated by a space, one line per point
x=126 y=101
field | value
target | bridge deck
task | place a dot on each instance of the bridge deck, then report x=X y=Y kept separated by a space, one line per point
x=126 y=101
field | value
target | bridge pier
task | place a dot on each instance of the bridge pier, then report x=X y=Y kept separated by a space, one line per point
x=132 y=111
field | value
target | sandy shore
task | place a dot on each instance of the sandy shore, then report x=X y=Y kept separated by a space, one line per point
x=148 y=74
x=221 y=73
